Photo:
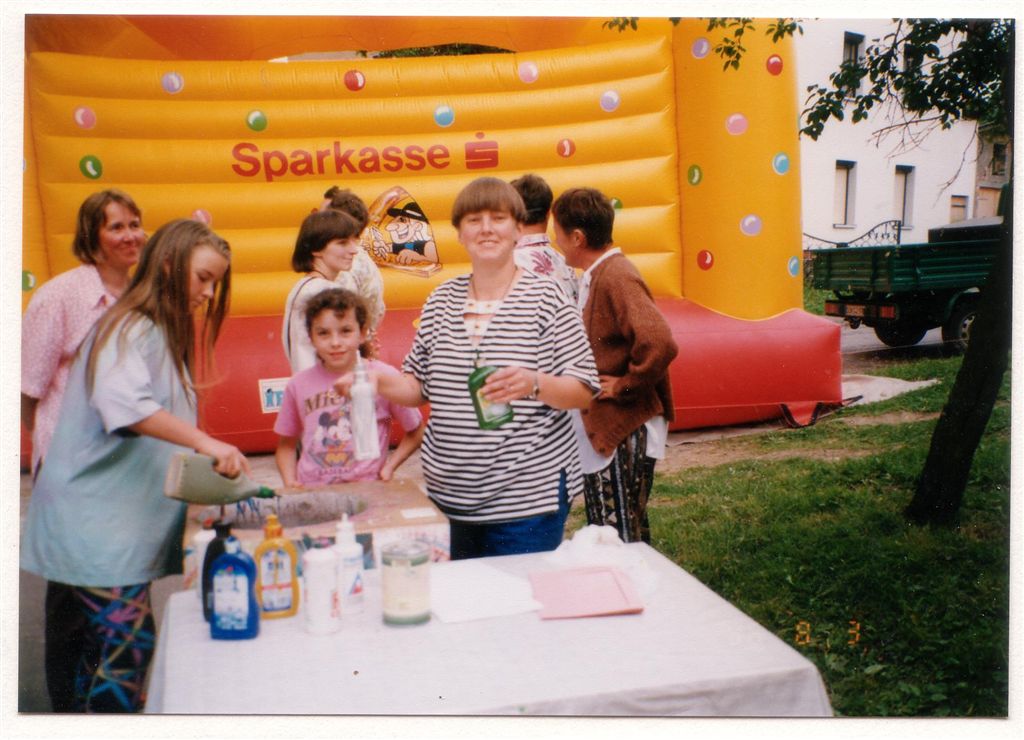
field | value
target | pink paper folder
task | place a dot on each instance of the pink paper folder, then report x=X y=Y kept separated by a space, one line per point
x=584 y=592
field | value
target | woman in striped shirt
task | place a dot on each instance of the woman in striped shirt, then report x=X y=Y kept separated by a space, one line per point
x=505 y=490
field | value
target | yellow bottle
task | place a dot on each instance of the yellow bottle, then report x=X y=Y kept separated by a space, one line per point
x=277 y=581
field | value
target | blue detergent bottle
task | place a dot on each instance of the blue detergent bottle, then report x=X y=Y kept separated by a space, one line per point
x=235 y=614
x=214 y=550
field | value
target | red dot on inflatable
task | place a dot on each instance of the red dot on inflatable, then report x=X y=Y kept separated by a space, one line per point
x=566 y=148
x=705 y=259
x=355 y=80
x=774 y=64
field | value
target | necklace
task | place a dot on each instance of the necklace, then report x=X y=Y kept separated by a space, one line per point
x=478 y=313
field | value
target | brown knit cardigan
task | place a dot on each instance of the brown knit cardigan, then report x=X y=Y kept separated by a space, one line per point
x=630 y=339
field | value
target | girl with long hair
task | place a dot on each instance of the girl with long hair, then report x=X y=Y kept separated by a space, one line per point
x=99 y=528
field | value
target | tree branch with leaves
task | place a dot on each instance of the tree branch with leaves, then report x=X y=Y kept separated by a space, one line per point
x=927 y=74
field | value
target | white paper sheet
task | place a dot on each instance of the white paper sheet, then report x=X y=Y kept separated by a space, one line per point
x=465 y=590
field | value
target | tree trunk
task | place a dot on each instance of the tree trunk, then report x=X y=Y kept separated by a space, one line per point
x=940 y=488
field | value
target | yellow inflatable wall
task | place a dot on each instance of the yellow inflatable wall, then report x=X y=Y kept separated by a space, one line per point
x=701 y=163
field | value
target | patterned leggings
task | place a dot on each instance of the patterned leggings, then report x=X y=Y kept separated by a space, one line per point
x=617 y=496
x=99 y=642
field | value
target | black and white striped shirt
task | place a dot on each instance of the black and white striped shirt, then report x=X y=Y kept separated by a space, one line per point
x=512 y=472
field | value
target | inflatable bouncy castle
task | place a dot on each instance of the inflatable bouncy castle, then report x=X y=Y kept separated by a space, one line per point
x=213 y=117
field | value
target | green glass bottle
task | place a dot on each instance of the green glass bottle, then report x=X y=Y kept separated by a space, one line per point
x=488 y=415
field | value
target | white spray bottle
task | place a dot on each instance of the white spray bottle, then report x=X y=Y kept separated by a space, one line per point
x=364 y=415
x=350 y=567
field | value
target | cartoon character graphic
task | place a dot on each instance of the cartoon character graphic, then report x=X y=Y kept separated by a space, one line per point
x=399 y=236
x=332 y=440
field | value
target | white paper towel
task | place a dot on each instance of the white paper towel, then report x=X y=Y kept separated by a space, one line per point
x=464 y=590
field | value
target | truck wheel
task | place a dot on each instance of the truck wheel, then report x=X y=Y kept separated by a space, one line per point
x=956 y=332
x=899 y=335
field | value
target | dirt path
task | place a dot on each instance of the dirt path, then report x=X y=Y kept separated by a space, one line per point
x=708 y=453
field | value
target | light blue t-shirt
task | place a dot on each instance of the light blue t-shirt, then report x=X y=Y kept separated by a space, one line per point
x=98 y=515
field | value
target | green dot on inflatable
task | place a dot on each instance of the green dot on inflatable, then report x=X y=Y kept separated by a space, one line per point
x=256 y=120
x=91 y=167
x=616 y=204
x=694 y=175
x=28 y=280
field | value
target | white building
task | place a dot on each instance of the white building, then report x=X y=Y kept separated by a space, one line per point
x=851 y=179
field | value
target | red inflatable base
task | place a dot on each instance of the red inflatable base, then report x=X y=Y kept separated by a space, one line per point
x=729 y=371
x=732 y=371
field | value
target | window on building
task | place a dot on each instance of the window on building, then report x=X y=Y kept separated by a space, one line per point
x=842 y=211
x=903 y=196
x=913 y=56
x=998 y=159
x=853 y=44
x=957 y=208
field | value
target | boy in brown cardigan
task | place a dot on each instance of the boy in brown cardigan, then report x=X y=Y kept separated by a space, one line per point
x=622 y=433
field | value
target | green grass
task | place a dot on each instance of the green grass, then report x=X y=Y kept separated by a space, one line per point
x=814 y=299
x=900 y=620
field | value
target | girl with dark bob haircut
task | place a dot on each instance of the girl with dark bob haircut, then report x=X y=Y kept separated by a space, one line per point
x=326 y=248
x=316 y=231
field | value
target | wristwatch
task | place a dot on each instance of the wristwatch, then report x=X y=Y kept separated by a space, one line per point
x=536 y=387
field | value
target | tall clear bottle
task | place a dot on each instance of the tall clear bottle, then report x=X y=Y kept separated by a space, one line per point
x=364 y=415
x=350 y=567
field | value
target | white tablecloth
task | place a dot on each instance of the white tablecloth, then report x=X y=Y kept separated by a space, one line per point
x=689 y=653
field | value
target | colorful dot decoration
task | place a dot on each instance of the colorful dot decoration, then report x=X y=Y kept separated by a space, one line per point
x=736 y=124
x=256 y=120
x=528 y=72
x=751 y=224
x=91 y=166
x=172 y=83
x=85 y=117
x=610 y=101
x=780 y=163
x=355 y=80
x=28 y=280
x=444 y=116
x=793 y=266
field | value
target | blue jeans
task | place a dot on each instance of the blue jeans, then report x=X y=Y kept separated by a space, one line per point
x=532 y=534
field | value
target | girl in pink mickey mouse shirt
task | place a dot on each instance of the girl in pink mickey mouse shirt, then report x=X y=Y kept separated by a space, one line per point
x=314 y=412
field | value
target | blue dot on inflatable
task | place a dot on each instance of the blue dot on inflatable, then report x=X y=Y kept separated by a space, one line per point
x=780 y=163
x=444 y=116
x=794 y=266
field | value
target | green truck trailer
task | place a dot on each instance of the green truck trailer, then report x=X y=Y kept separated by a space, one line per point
x=904 y=290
